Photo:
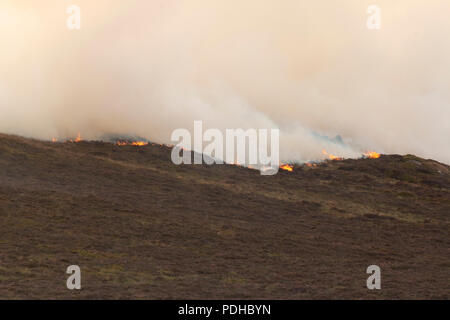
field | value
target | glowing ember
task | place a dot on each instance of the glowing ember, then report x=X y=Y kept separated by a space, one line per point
x=372 y=155
x=331 y=156
x=287 y=167
x=139 y=143
x=132 y=143
x=312 y=165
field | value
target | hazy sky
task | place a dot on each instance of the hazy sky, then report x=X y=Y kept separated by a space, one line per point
x=148 y=67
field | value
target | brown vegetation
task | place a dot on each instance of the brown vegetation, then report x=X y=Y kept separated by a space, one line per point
x=141 y=227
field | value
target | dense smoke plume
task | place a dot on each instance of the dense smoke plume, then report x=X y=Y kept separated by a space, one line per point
x=311 y=68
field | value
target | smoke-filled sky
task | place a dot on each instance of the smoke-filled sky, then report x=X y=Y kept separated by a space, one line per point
x=311 y=68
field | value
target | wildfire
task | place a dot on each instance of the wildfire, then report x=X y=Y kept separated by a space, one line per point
x=132 y=143
x=372 y=155
x=287 y=167
x=330 y=156
x=77 y=139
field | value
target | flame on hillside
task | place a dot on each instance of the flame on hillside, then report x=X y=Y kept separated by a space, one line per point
x=311 y=165
x=287 y=167
x=372 y=155
x=132 y=143
x=76 y=140
x=331 y=156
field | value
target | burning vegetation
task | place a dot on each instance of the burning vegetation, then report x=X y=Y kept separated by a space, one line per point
x=331 y=156
x=287 y=167
x=132 y=143
x=372 y=155
x=368 y=154
x=117 y=142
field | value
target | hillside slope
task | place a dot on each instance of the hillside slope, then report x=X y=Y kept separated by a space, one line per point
x=141 y=227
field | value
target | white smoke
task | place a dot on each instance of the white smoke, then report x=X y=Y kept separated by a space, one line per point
x=310 y=68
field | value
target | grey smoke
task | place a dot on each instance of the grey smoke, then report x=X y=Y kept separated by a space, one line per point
x=310 y=68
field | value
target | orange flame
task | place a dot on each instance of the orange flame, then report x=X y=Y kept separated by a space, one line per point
x=330 y=156
x=132 y=143
x=287 y=167
x=77 y=139
x=139 y=143
x=372 y=155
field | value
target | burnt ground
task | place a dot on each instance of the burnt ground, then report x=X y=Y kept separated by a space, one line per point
x=141 y=227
